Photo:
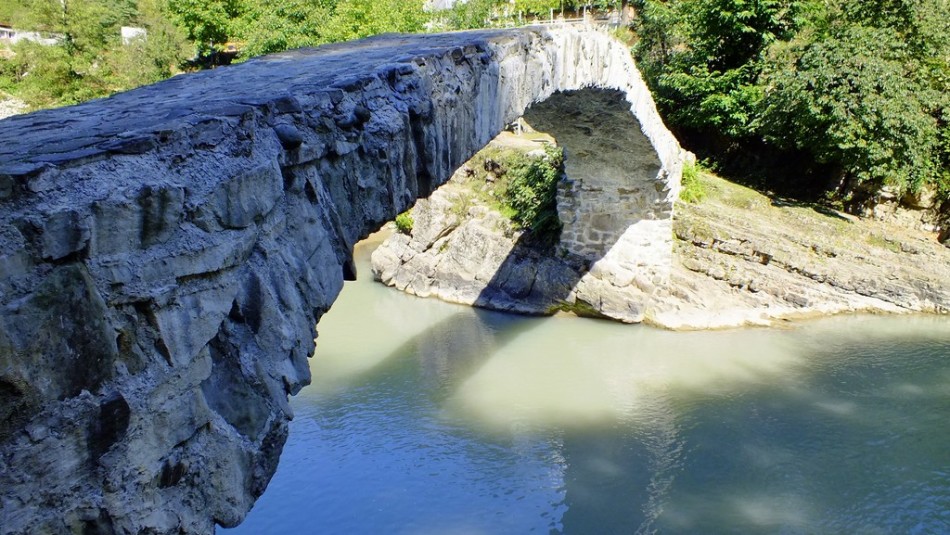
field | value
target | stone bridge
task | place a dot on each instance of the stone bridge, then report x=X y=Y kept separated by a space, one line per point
x=166 y=253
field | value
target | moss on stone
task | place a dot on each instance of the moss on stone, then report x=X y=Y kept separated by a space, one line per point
x=579 y=308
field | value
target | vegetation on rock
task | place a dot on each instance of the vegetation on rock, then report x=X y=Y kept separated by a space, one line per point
x=519 y=184
x=531 y=192
x=404 y=223
x=693 y=189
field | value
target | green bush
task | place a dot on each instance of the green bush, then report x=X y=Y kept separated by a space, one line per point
x=532 y=192
x=857 y=99
x=404 y=223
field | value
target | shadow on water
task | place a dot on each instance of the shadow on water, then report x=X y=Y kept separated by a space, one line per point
x=609 y=161
x=450 y=350
x=775 y=448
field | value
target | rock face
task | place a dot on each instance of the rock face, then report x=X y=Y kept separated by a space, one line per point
x=10 y=107
x=166 y=253
x=474 y=257
x=462 y=250
x=739 y=258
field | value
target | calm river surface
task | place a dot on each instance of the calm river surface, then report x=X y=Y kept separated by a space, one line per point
x=431 y=418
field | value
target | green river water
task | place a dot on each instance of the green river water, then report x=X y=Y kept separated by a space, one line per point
x=431 y=418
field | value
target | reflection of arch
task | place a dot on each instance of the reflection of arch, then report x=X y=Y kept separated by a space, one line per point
x=203 y=225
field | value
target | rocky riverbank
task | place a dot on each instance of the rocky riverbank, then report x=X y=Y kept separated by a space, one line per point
x=740 y=258
x=744 y=258
x=10 y=107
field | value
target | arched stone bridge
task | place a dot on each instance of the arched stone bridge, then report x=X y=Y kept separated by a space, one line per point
x=167 y=252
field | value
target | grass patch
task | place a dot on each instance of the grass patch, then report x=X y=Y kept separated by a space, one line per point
x=578 y=308
x=693 y=190
x=876 y=240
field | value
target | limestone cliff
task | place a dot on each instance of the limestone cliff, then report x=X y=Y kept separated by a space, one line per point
x=165 y=254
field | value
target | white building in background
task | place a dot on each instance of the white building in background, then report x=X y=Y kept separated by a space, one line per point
x=131 y=33
x=14 y=36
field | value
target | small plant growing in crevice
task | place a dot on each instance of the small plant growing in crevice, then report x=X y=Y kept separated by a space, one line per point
x=404 y=223
x=693 y=190
x=462 y=204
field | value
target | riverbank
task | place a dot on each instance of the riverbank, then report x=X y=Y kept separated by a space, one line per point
x=740 y=258
x=744 y=258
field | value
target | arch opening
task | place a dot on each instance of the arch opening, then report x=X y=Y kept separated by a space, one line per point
x=613 y=200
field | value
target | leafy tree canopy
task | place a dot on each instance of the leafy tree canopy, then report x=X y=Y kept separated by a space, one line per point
x=861 y=86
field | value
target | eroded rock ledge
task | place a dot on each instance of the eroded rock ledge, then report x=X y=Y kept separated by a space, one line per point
x=740 y=258
x=166 y=253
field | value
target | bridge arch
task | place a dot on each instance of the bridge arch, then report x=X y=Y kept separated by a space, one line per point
x=167 y=252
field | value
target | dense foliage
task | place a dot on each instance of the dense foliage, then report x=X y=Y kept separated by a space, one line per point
x=861 y=87
x=90 y=59
x=531 y=191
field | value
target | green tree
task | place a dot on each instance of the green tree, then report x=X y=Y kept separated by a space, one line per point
x=266 y=26
x=207 y=23
x=861 y=87
x=71 y=70
x=353 y=19
x=703 y=57
x=152 y=57
x=472 y=14
x=868 y=93
x=89 y=59
x=538 y=7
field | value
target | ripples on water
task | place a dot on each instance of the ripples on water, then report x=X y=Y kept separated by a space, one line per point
x=426 y=417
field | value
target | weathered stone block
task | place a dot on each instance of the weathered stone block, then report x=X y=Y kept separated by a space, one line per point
x=162 y=211
x=248 y=196
x=64 y=232
x=116 y=226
